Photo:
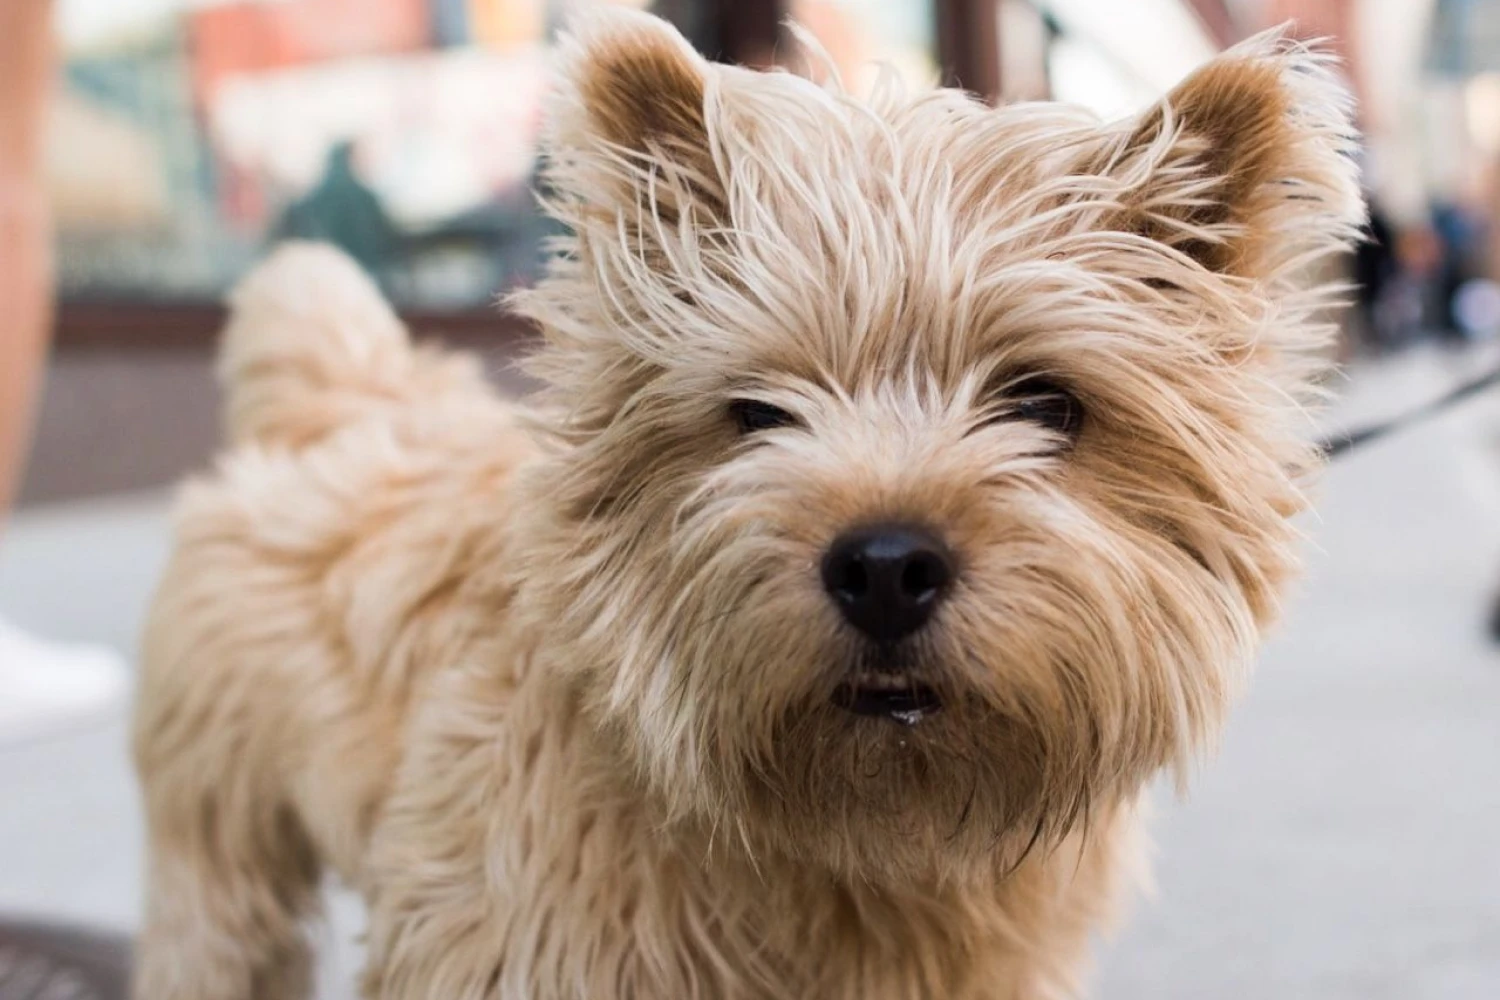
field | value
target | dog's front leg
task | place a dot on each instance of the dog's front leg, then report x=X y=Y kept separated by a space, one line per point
x=228 y=897
x=438 y=926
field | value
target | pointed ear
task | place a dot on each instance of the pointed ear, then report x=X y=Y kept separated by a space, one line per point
x=1247 y=166
x=627 y=121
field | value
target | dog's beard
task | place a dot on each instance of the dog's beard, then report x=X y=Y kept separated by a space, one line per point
x=883 y=798
x=947 y=789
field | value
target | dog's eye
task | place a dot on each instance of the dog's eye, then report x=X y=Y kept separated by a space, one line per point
x=1043 y=401
x=751 y=415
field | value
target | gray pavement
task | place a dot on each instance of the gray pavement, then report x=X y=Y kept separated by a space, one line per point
x=1343 y=845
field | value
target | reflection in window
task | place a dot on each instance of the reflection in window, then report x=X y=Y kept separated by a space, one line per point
x=189 y=133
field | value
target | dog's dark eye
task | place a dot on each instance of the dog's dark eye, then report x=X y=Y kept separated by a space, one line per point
x=1043 y=401
x=751 y=415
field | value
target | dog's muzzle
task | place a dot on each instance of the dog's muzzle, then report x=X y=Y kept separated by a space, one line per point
x=887 y=580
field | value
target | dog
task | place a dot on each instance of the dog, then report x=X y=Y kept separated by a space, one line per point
x=910 y=484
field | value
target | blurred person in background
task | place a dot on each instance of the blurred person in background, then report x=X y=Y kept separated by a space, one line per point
x=342 y=210
x=44 y=686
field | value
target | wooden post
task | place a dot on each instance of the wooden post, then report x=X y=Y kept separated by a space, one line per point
x=748 y=31
x=968 y=41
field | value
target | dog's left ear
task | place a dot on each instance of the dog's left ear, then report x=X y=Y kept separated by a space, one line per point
x=626 y=126
x=1247 y=166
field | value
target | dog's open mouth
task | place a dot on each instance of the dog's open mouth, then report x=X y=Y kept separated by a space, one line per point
x=890 y=696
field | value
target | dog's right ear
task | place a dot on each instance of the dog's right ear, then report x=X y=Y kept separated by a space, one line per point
x=630 y=170
x=627 y=126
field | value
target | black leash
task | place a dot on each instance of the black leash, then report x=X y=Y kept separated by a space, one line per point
x=1344 y=441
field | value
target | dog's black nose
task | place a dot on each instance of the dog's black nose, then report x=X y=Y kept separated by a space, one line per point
x=887 y=580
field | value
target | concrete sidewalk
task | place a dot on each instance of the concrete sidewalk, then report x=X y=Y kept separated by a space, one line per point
x=1345 y=845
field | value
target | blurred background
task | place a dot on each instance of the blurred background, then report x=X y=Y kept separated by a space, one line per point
x=1345 y=844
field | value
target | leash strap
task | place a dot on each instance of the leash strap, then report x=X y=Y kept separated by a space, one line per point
x=1342 y=442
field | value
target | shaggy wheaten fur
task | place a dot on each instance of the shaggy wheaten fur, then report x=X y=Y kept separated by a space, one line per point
x=555 y=688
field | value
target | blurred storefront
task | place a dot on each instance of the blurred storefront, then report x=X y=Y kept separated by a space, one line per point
x=404 y=129
x=1427 y=77
x=190 y=133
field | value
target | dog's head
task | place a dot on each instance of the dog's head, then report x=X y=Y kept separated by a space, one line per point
x=923 y=470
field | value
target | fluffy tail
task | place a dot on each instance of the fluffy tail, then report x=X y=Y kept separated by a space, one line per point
x=311 y=346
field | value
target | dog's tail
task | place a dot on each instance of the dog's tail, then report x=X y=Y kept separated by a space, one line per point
x=311 y=346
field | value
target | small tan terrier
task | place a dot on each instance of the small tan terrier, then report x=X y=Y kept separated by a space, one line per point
x=910 y=485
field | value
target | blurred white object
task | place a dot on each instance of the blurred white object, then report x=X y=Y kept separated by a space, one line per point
x=48 y=687
x=1115 y=58
x=1476 y=307
x=438 y=133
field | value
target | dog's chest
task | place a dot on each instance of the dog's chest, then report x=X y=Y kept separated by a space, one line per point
x=681 y=926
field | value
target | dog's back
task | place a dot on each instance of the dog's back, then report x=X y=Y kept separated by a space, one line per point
x=336 y=555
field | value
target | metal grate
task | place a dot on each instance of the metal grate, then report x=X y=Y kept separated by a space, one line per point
x=42 y=962
x=28 y=975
